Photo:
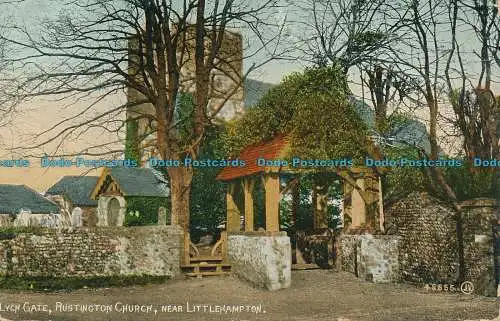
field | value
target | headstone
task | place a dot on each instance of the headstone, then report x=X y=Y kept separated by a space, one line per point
x=23 y=218
x=48 y=220
x=162 y=216
x=76 y=217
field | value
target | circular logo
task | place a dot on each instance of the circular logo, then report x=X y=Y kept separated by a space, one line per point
x=467 y=287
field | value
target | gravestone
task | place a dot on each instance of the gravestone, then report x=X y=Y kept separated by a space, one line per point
x=162 y=216
x=48 y=220
x=23 y=218
x=76 y=217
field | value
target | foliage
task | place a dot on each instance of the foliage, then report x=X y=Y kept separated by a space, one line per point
x=469 y=183
x=184 y=115
x=305 y=210
x=401 y=181
x=132 y=141
x=285 y=212
x=363 y=41
x=313 y=110
x=208 y=196
x=143 y=210
x=395 y=122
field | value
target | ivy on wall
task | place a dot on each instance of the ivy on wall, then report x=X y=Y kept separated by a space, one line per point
x=143 y=210
x=132 y=140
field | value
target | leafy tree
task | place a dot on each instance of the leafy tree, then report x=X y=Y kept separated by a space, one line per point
x=313 y=110
x=468 y=183
x=401 y=181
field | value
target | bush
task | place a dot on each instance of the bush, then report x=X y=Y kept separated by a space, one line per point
x=142 y=210
x=468 y=183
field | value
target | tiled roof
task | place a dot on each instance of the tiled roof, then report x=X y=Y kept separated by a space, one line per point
x=13 y=198
x=269 y=150
x=134 y=182
x=76 y=188
x=138 y=181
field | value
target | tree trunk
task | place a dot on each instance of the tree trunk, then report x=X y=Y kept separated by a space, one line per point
x=496 y=177
x=377 y=86
x=320 y=206
x=433 y=113
x=180 y=195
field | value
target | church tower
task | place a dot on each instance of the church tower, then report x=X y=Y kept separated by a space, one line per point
x=226 y=79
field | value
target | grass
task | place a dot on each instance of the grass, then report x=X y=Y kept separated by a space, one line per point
x=52 y=284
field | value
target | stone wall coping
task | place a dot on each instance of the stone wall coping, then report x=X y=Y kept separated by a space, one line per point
x=375 y=236
x=48 y=230
x=257 y=233
x=479 y=202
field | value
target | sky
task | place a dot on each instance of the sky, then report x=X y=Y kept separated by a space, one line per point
x=39 y=115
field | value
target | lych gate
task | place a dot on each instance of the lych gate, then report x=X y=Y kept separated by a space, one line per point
x=362 y=206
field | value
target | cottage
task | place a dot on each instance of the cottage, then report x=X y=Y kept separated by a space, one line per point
x=72 y=193
x=130 y=196
x=22 y=206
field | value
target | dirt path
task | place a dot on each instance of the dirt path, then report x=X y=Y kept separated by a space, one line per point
x=315 y=295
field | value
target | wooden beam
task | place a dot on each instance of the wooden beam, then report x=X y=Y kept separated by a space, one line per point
x=100 y=181
x=233 y=212
x=381 y=205
x=358 y=204
x=248 y=186
x=295 y=201
x=187 y=242
x=272 y=190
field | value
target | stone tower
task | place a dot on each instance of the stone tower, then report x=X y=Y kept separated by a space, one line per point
x=225 y=79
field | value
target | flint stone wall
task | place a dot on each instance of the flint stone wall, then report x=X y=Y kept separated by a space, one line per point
x=429 y=247
x=377 y=258
x=374 y=258
x=348 y=253
x=263 y=260
x=479 y=228
x=104 y=251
